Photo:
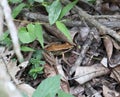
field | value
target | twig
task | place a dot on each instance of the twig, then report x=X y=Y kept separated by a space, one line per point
x=102 y=29
x=71 y=23
x=39 y=16
x=91 y=91
x=1 y=21
x=12 y=29
x=81 y=56
x=106 y=16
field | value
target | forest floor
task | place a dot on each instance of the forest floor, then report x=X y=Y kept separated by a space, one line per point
x=82 y=46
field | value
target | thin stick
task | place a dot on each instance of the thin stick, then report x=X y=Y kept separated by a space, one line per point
x=70 y=23
x=1 y=21
x=81 y=56
x=12 y=29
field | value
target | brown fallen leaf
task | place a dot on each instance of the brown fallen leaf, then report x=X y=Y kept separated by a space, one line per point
x=116 y=73
x=108 y=46
x=65 y=86
x=116 y=44
x=49 y=70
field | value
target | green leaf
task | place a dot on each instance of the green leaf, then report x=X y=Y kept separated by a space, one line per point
x=63 y=94
x=48 y=88
x=40 y=1
x=39 y=34
x=31 y=2
x=25 y=48
x=4 y=36
x=15 y=1
x=24 y=36
x=7 y=41
x=67 y=8
x=54 y=11
x=31 y=29
x=27 y=36
x=38 y=54
x=17 y=10
x=37 y=62
x=36 y=70
x=64 y=30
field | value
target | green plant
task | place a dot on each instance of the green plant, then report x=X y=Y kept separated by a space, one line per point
x=37 y=64
x=64 y=29
x=49 y=88
x=56 y=13
x=31 y=33
x=15 y=1
x=5 y=39
x=18 y=9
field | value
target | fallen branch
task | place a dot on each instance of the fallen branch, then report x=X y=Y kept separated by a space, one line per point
x=106 y=16
x=71 y=23
x=41 y=17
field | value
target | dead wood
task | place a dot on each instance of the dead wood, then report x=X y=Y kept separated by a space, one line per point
x=102 y=29
x=71 y=23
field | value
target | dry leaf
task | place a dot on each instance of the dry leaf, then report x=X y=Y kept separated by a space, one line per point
x=49 y=58
x=13 y=69
x=49 y=70
x=7 y=56
x=73 y=32
x=60 y=71
x=84 y=31
x=116 y=44
x=79 y=90
x=108 y=46
x=65 y=86
x=109 y=93
x=5 y=79
x=26 y=88
x=115 y=60
x=104 y=62
x=116 y=73
x=64 y=82
x=86 y=73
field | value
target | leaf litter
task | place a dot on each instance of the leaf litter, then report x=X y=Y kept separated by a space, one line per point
x=90 y=77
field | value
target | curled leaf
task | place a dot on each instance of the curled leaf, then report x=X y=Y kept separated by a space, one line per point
x=108 y=46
